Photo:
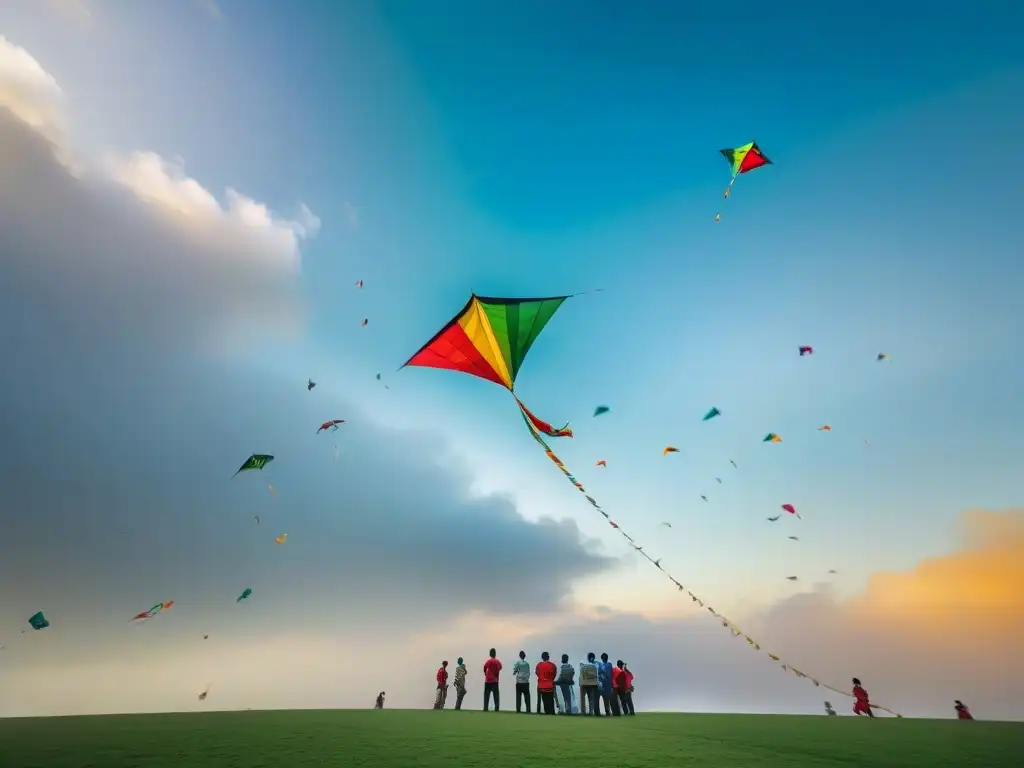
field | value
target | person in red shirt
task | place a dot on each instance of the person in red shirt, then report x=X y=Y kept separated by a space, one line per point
x=962 y=712
x=442 y=686
x=546 y=673
x=629 y=690
x=862 y=706
x=621 y=678
x=492 y=668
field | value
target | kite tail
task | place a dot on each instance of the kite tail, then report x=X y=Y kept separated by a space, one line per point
x=537 y=425
x=725 y=195
x=536 y=432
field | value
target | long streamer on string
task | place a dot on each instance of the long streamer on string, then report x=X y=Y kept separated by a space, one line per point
x=726 y=622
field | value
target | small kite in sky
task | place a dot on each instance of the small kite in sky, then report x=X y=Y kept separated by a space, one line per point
x=719 y=480
x=882 y=356
x=272 y=489
x=37 y=621
x=256 y=461
x=771 y=437
x=205 y=693
x=669 y=449
x=244 y=596
x=831 y=571
x=601 y=463
x=704 y=497
x=332 y=425
x=364 y=321
x=791 y=578
x=256 y=518
x=824 y=428
x=309 y=385
x=359 y=283
x=806 y=351
x=667 y=525
x=742 y=160
x=792 y=510
x=795 y=538
x=147 y=615
x=733 y=464
x=385 y=385
x=601 y=409
x=711 y=414
x=281 y=539
x=773 y=519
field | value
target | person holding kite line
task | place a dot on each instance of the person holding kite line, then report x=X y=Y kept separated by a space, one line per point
x=862 y=706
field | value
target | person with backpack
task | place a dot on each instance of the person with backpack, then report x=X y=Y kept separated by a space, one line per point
x=589 y=686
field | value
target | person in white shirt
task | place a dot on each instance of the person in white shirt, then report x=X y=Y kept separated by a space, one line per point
x=521 y=670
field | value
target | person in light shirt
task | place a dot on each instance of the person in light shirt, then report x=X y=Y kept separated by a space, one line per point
x=589 y=687
x=460 y=682
x=521 y=669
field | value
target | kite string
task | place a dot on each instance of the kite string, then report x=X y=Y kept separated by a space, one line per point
x=737 y=632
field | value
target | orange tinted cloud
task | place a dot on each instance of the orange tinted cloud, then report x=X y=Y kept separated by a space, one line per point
x=951 y=627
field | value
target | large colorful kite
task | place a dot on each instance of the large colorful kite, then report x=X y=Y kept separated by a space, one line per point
x=489 y=339
x=742 y=160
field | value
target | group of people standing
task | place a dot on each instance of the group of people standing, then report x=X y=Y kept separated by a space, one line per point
x=600 y=682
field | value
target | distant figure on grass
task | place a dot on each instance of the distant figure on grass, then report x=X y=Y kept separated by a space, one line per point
x=460 y=682
x=962 y=712
x=828 y=708
x=546 y=673
x=589 y=686
x=862 y=706
x=566 y=677
x=442 y=686
x=380 y=701
x=492 y=668
x=604 y=677
x=521 y=669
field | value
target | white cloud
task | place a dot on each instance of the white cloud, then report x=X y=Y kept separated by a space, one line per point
x=233 y=263
x=29 y=91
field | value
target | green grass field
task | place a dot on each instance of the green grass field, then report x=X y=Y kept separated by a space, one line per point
x=402 y=739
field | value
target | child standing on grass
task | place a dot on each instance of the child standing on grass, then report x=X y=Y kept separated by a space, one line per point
x=862 y=706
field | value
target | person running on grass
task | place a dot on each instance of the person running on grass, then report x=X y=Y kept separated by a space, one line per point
x=380 y=701
x=862 y=706
x=962 y=712
x=521 y=669
x=492 y=668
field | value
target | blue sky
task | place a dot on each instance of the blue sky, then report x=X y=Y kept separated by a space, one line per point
x=530 y=148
